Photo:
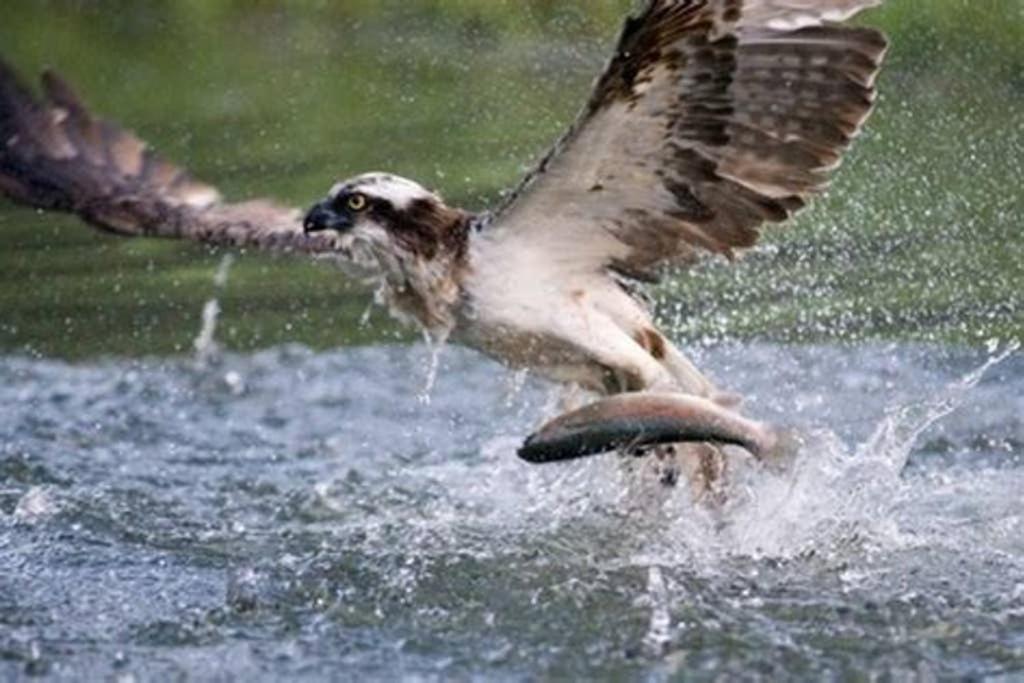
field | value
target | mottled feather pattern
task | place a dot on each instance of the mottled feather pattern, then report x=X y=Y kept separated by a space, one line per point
x=56 y=155
x=788 y=15
x=755 y=101
x=641 y=45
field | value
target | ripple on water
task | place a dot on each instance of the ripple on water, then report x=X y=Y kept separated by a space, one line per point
x=291 y=513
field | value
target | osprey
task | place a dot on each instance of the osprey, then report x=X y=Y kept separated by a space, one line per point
x=713 y=118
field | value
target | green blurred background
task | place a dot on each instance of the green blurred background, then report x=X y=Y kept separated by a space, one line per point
x=919 y=239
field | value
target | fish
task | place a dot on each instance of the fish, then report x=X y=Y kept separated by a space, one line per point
x=635 y=420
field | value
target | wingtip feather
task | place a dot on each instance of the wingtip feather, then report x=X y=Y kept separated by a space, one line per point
x=60 y=93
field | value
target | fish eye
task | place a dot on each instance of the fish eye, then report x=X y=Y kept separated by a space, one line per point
x=357 y=202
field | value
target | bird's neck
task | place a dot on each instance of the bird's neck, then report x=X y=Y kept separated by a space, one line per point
x=425 y=287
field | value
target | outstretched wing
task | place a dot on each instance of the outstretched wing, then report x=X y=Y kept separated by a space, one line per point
x=56 y=155
x=713 y=117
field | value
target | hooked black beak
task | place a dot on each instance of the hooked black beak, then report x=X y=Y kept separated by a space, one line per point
x=323 y=217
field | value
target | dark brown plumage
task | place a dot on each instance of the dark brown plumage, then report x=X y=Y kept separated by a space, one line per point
x=427 y=227
x=56 y=155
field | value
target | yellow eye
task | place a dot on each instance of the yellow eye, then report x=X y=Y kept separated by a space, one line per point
x=357 y=202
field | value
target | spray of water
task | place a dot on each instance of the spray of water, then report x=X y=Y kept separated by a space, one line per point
x=205 y=343
x=659 y=631
x=435 y=346
x=833 y=496
x=896 y=435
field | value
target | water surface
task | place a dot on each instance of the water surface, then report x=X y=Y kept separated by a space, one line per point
x=291 y=514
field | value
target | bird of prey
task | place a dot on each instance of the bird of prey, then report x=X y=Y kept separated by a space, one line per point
x=712 y=119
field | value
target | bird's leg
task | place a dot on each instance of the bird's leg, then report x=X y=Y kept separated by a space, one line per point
x=571 y=398
x=692 y=381
x=703 y=466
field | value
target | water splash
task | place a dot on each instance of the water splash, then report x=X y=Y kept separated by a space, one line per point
x=659 y=631
x=515 y=384
x=38 y=503
x=835 y=495
x=220 y=277
x=205 y=344
x=367 y=315
x=894 y=438
x=434 y=349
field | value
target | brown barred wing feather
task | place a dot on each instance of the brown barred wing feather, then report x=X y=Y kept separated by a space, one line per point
x=55 y=154
x=713 y=118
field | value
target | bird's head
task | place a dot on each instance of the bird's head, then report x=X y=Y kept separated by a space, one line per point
x=384 y=221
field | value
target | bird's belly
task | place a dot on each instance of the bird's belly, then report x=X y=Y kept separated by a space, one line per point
x=569 y=329
x=545 y=352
